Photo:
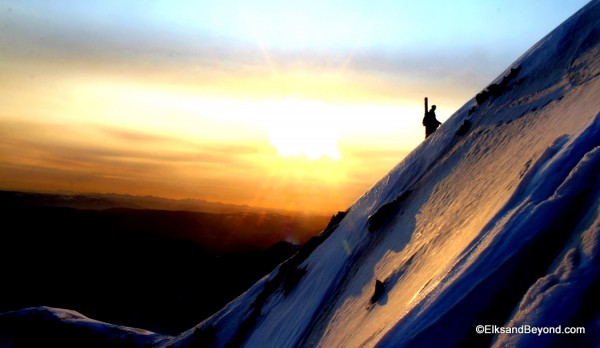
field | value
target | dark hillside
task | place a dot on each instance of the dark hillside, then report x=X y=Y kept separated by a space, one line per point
x=140 y=268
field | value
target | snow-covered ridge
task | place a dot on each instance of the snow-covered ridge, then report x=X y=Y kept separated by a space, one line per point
x=462 y=229
x=493 y=220
x=54 y=327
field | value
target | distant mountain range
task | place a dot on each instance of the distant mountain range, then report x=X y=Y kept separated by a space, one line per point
x=101 y=201
x=220 y=227
x=115 y=259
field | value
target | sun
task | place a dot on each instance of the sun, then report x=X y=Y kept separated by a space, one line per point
x=298 y=128
x=313 y=143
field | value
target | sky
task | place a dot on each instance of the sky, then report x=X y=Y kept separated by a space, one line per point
x=295 y=105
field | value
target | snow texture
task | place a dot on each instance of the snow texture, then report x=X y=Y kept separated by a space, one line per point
x=493 y=220
x=55 y=327
x=481 y=227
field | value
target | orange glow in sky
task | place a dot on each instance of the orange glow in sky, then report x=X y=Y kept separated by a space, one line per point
x=298 y=107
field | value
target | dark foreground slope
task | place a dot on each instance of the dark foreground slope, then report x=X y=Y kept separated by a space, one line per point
x=159 y=270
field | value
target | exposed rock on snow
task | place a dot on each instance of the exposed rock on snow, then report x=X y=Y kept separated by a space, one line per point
x=470 y=229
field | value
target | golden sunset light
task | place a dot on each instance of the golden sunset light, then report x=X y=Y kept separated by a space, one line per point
x=298 y=107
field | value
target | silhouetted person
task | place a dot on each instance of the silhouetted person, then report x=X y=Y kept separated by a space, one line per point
x=430 y=122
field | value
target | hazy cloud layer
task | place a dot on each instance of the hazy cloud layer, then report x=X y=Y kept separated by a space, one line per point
x=169 y=97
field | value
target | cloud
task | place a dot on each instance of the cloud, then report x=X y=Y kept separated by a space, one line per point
x=208 y=63
x=37 y=156
x=29 y=148
x=135 y=136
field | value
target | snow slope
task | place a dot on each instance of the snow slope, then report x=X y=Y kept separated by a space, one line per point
x=497 y=226
x=54 y=327
x=493 y=220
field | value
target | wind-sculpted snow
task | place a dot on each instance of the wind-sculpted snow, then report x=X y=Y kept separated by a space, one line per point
x=494 y=220
x=514 y=250
x=460 y=230
x=566 y=295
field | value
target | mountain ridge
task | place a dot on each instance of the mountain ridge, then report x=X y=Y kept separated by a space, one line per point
x=536 y=127
x=495 y=225
x=101 y=201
